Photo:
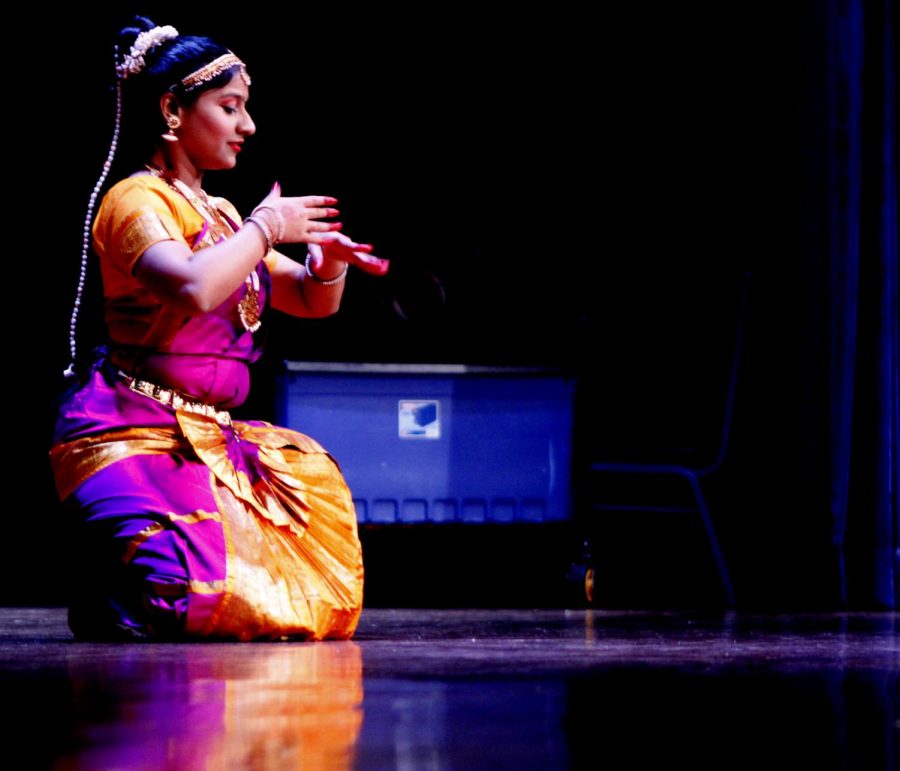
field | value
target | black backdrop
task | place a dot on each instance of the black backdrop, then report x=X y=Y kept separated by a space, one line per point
x=583 y=192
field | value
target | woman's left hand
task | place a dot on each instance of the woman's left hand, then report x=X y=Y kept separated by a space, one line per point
x=328 y=258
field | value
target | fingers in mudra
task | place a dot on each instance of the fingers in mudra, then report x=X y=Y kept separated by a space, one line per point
x=319 y=214
x=316 y=201
x=370 y=263
x=338 y=246
x=317 y=226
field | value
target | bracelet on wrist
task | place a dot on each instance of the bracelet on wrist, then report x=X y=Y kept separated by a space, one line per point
x=264 y=228
x=279 y=220
x=324 y=281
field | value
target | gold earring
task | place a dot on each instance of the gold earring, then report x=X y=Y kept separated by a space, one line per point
x=173 y=122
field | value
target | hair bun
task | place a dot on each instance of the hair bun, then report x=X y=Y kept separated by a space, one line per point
x=144 y=42
x=128 y=35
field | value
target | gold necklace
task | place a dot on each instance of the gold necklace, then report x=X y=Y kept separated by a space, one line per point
x=248 y=307
x=219 y=228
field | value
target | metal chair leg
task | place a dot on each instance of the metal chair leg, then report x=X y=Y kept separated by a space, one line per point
x=703 y=508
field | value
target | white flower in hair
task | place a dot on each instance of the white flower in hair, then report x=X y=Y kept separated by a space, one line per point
x=133 y=62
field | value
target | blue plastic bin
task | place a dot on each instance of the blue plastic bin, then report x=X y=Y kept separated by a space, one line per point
x=439 y=443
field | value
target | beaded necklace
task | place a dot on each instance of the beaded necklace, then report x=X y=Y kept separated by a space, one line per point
x=219 y=228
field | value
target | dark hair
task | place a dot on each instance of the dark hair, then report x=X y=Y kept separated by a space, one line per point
x=165 y=66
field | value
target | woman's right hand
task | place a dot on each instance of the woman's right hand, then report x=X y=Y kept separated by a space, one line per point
x=302 y=216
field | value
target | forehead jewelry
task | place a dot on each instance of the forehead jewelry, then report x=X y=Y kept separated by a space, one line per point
x=212 y=70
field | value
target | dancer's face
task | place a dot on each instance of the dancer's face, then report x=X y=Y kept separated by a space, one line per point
x=213 y=129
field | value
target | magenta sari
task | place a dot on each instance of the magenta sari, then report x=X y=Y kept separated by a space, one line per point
x=194 y=525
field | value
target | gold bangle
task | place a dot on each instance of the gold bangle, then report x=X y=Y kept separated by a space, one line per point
x=279 y=219
x=261 y=223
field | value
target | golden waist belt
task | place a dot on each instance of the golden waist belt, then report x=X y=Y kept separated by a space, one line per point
x=175 y=399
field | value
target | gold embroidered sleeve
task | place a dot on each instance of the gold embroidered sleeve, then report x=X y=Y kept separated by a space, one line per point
x=145 y=228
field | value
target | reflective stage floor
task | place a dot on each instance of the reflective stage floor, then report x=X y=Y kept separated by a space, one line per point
x=464 y=689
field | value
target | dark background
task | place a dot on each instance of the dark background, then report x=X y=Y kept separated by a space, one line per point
x=586 y=194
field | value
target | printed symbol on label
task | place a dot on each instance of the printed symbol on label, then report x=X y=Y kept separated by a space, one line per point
x=419 y=419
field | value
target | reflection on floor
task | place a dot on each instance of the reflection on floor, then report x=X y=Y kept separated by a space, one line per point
x=465 y=689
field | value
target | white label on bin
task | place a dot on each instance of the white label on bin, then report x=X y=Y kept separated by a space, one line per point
x=419 y=419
